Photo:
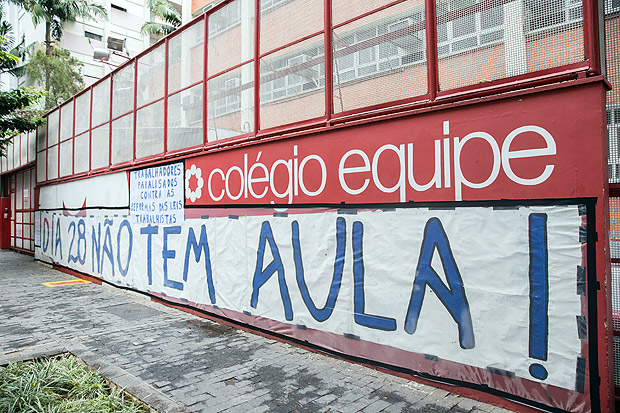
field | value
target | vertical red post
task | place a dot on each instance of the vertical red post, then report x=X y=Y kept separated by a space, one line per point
x=256 y=67
x=166 y=61
x=73 y=140
x=58 y=142
x=591 y=39
x=90 y=130
x=110 y=121
x=205 y=62
x=47 y=142
x=329 y=64
x=135 y=105
x=432 y=63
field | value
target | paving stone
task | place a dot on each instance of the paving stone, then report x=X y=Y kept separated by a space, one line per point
x=178 y=362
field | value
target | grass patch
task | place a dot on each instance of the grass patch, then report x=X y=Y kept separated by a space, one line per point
x=60 y=384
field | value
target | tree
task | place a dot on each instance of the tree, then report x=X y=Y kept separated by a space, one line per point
x=167 y=13
x=60 y=72
x=55 y=13
x=16 y=113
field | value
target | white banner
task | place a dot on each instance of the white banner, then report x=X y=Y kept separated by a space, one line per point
x=156 y=195
x=490 y=288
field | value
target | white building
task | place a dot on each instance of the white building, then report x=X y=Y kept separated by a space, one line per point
x=120 y=33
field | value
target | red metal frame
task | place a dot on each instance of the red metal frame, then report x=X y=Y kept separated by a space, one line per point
x=432 y=98
x=329 y=60
x=166 y=62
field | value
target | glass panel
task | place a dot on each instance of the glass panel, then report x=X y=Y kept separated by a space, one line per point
x=122 y=139
x=19 y=194
x=233 y=25
x=151 y=75
x=52 y=162
x=343 y=10
x=186 y=57
x=100 y=153
x=66 y=121
x=52 y=128
x=185 y=119
x=230 y=103
x=32 y=137
x=380 y=58
x=81 y=146
x=288 y=21
x=41 y=137
x=150 y=130
x=101 y=102
x=66 y=158
x=123 y=93
x=293 y=72
x=23 y=152
x=41 y=167
x=82 y=112
x=9 y=155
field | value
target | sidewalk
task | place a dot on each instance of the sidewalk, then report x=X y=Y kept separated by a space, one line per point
x=177 y=362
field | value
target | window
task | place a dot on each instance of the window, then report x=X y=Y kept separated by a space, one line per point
x=613 y=133
x=93 y=36
x=230 y=100
x=543 y=14
x=392 y=45
x=230 y=15
x=117 y=7
x=469 y=30
x=291 y=76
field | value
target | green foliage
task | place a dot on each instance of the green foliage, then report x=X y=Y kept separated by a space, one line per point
x=16 y=115
x=62 y=384
x=55 y=13
x=164 y=11
x=60 y=72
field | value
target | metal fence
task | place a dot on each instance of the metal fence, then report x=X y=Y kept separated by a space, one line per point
x=251 y=68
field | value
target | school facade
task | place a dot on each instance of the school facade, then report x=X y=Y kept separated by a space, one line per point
x=422 y=185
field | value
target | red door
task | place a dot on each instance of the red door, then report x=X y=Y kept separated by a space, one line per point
x=5 y=222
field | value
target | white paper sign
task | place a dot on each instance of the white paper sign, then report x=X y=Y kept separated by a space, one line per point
x=156 y=195
x=463 y=285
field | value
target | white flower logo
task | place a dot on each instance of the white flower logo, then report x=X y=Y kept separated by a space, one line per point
x=197 y=193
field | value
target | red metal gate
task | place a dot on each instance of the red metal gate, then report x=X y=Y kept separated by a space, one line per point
x=22 y=210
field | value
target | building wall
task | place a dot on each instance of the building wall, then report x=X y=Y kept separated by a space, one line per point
x=333 y=235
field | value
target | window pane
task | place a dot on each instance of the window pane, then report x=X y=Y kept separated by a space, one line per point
x=52 y=162
x=122 y=139
x=186 y=57
x=302 y=77
x=66 y=121
x=150 y=130
x=82 y=112
x=66 y=158
x=100 y=153
x=289 y=21
x=230 y=103
x=41 y=137
x=123 y=93
x=231 y=36
x=41 y=166
x=81 y=153
x=380 y=58
x=32 y=145
x=185 y=119
x=101 y=102
x=52 y=128
x=151 y=75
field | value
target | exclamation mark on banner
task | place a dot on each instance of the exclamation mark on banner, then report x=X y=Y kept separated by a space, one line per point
x=539 y=293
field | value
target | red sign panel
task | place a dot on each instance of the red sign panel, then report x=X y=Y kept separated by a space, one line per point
x=532 y=146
